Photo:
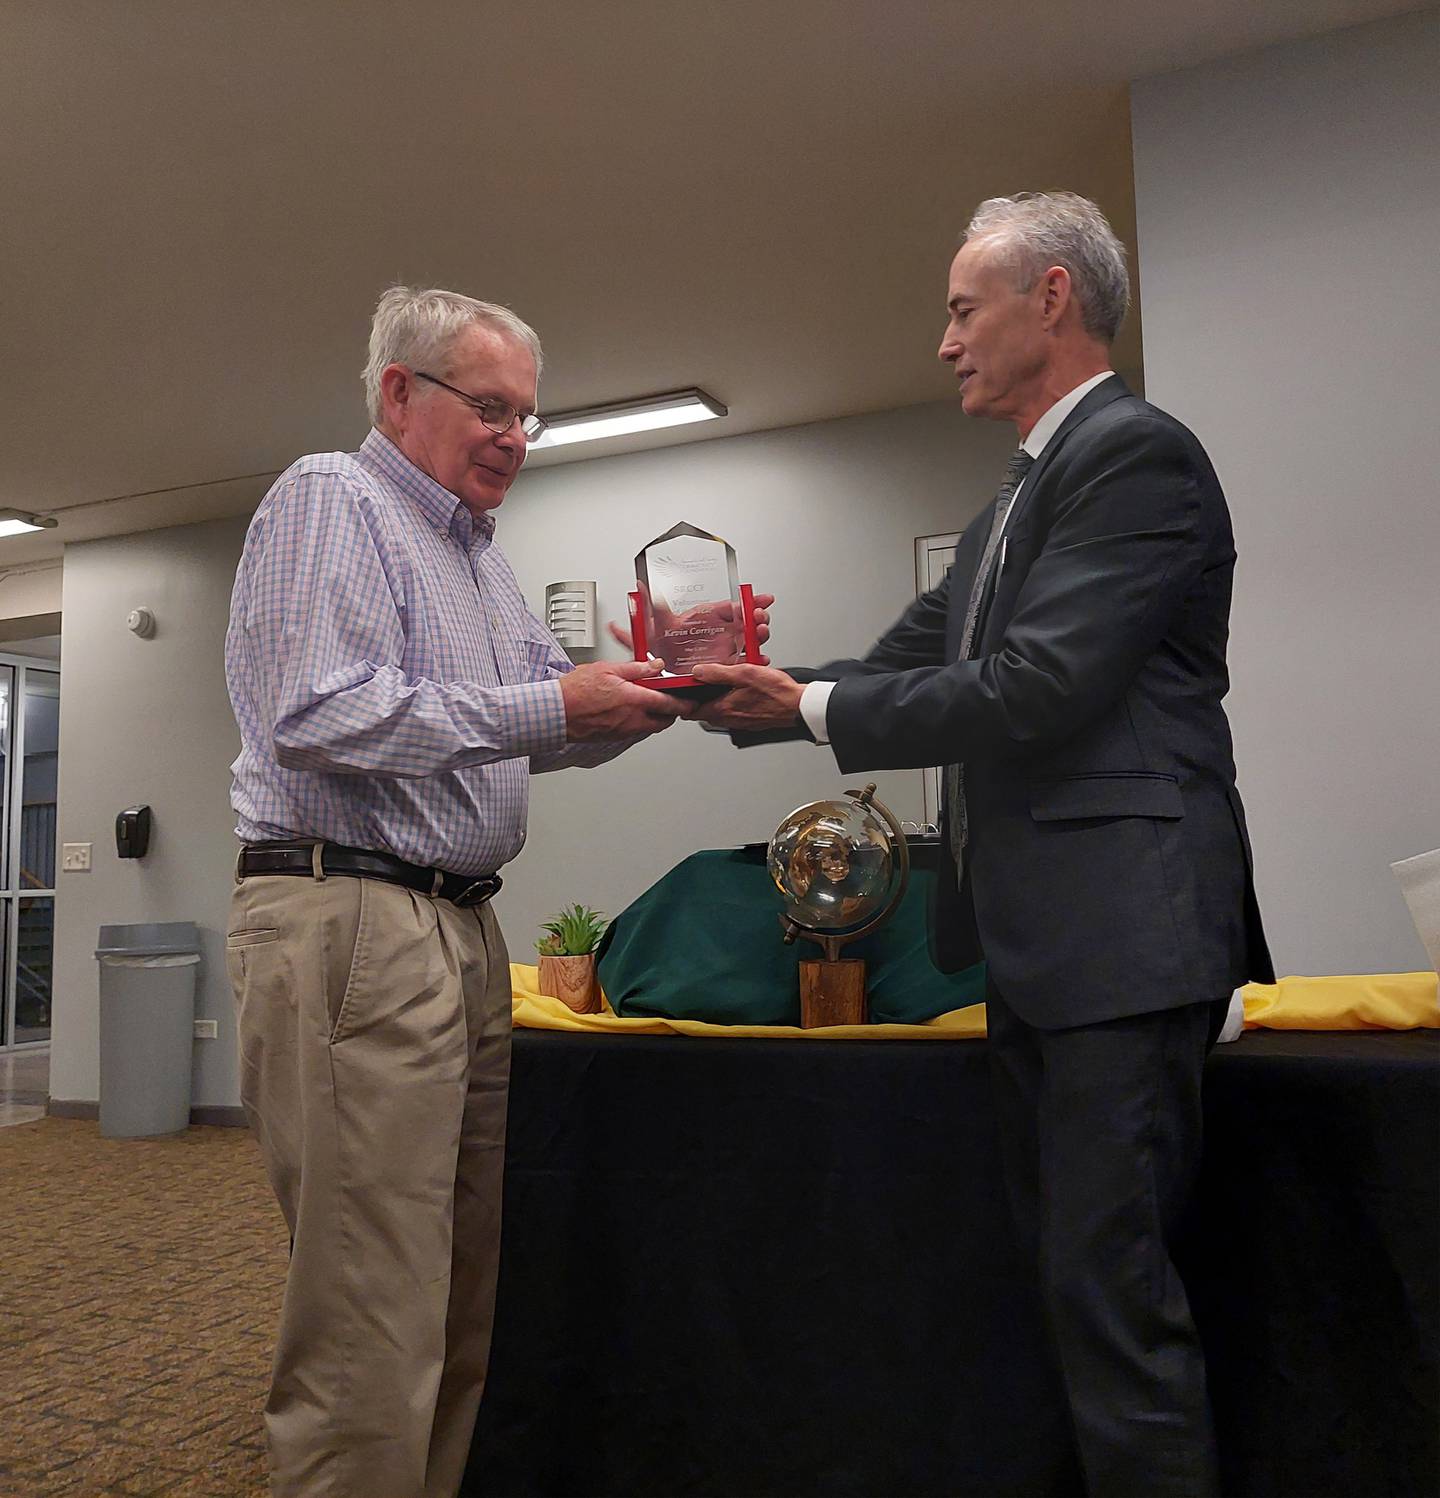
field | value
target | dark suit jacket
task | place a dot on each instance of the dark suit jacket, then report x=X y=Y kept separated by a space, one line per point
x=1108 y=871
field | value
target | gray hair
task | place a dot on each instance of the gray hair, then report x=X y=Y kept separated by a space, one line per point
x=419 y=328
x=1034 y=230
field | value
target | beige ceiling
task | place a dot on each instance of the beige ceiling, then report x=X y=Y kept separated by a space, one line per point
x=201 y=201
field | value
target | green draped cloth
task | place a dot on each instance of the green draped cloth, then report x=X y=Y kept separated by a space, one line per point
x=705 y=943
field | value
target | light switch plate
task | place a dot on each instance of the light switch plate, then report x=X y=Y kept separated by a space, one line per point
x=75 y=858
x=207 y=1029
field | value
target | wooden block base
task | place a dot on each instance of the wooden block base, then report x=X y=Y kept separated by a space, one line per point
x=572 y=980
x=832 y=993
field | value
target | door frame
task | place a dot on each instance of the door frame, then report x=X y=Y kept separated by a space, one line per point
x=10 y=829
x=933 y=554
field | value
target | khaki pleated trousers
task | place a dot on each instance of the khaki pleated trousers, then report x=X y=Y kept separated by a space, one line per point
x=375 y=1056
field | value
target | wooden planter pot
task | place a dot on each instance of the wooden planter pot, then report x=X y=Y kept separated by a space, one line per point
x=572 y=980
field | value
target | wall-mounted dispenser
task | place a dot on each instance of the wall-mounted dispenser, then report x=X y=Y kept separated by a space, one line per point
x=570 y=613
x=132 y=832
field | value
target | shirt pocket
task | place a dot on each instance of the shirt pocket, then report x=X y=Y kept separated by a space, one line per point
x=537 y=656
x=1137 y=793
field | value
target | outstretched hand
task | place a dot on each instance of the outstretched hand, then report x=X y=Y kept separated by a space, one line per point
x=602 y=702
x=756 y=697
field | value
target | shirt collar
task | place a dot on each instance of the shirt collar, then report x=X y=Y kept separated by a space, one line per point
x=1049 y=423
x=436 y=503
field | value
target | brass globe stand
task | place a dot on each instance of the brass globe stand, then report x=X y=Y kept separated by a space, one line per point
x=832 y=990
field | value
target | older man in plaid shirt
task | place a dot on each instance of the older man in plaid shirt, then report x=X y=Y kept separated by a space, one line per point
x=393 y=694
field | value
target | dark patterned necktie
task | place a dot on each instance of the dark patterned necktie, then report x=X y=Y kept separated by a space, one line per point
x=955 y=774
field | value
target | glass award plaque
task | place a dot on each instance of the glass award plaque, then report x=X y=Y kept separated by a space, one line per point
x=690 y=608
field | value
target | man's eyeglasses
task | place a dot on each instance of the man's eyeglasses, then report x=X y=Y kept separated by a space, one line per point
x=494 y=414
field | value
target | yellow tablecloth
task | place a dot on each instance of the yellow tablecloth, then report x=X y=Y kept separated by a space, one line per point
x=1367 y=1001
x=1370 y=1001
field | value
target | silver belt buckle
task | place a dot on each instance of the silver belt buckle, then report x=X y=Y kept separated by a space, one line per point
x=476 y=892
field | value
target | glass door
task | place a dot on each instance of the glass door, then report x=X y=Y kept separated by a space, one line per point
x=29 y=771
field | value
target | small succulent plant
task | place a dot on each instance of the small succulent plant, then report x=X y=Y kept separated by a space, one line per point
x=573 y=932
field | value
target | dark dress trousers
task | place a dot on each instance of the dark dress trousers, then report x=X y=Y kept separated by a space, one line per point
x=1107 y=883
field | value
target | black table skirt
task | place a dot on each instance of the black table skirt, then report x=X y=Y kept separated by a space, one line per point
x=760 y=1267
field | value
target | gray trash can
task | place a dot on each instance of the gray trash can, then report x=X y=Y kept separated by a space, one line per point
x=147 y=1027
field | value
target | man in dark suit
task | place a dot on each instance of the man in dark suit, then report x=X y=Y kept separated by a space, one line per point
x=1069 y=674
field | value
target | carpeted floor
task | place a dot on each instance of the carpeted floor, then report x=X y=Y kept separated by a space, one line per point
x=139 y=1289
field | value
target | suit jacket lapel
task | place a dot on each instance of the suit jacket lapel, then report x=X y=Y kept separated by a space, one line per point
x=1102 y=395
x=962 y=576
x=1097 y=399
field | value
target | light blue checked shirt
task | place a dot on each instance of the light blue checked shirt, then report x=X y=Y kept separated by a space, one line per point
x=393 y=691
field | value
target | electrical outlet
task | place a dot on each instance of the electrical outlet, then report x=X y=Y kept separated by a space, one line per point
x=207 y=1029
x=75 y=858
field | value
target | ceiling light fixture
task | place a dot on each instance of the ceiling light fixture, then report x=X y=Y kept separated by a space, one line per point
x=17 y=522
x=621 y=418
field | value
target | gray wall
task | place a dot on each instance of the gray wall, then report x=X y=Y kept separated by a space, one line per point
x=145 y=721
x=1288 y=205
x=823 y=515
x=29 y=590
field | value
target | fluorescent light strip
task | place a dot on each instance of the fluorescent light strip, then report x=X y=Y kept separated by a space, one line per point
x=626 y=417
x=16 y=523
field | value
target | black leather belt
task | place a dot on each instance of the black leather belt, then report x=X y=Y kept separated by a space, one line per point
x=317 y=860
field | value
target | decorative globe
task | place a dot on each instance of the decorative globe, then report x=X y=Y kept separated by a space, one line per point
x=832 y=861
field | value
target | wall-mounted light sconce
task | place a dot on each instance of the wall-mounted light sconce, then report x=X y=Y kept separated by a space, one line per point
x=621 y=418
x=570 y=613
x=18 y=522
